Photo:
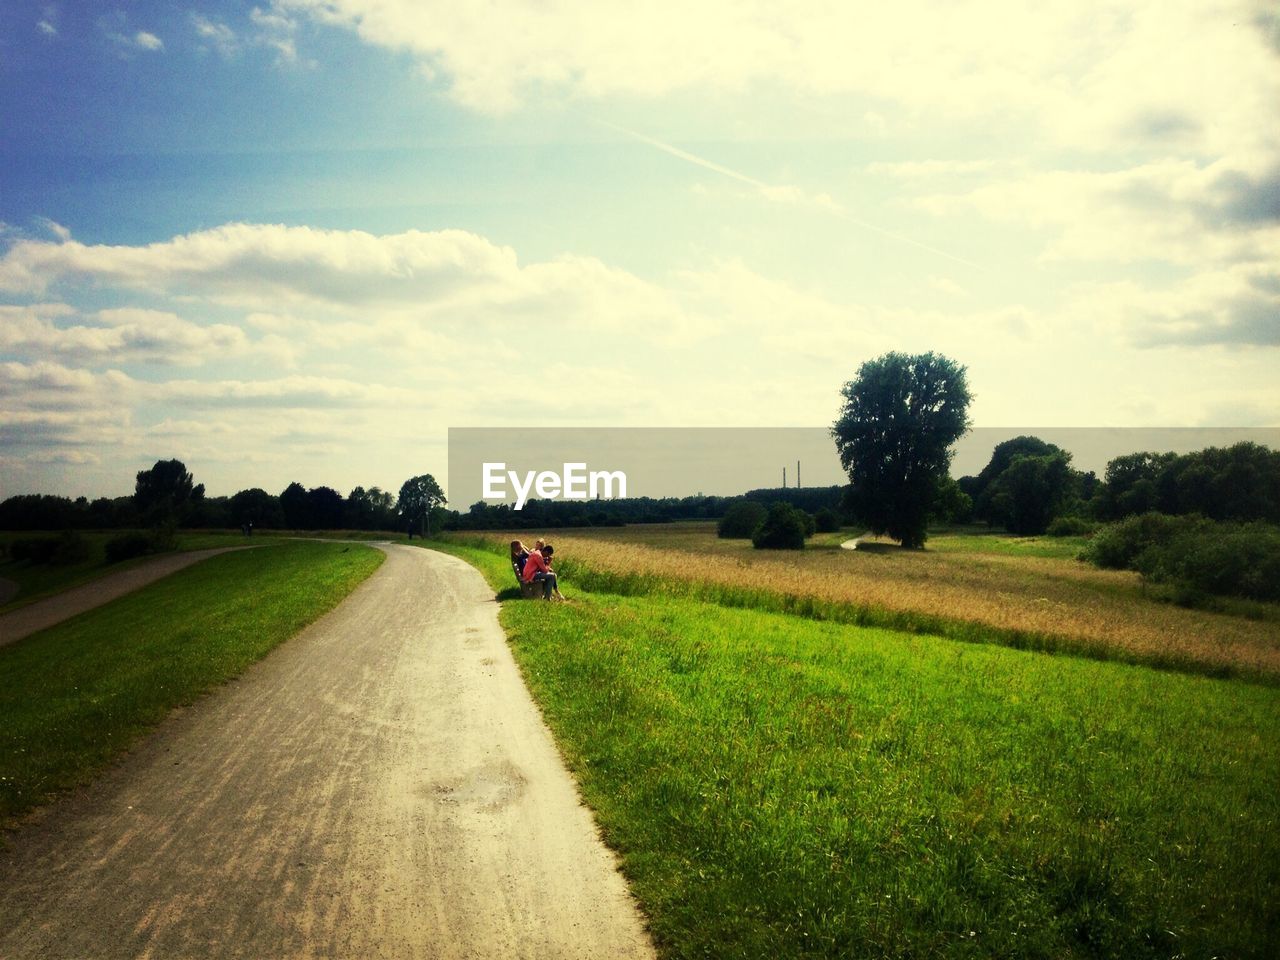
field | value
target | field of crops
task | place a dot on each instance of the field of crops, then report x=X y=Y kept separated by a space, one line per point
x=1022 y=591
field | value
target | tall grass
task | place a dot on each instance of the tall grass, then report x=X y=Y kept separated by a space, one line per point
x=1021 y=600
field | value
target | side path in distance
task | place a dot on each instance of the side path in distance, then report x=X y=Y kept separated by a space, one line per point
x=381 y=785
x=42 y=614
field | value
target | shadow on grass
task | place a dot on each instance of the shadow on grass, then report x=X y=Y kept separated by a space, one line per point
x=865 y=546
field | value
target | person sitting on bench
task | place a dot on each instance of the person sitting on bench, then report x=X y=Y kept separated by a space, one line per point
x=536 y=570
x=519 y=554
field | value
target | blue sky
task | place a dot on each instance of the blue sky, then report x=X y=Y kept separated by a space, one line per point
x=299 y=240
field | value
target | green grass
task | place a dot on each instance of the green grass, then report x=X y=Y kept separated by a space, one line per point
x=36 y=581
x=1005 y=545
x=75 y=696
x=777 y=786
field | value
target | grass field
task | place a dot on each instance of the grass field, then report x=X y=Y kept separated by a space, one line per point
x=780 y=786
x=36 y=581
x=1025 y=592
x=73 y=697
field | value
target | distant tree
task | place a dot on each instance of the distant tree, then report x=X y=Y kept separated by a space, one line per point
x=372 y=509
x=1001 y=457
x=901 y=415
x=1240 y=482
x=165 y=487
x=826 y=520
x=952 y=504
x=784 y=528
x=258 y=507
x=293 y=503
x=325 y=508
x=741 y=519
x=1129 y=484
x=419 y=496
x=35 y=511
x=1030 y=492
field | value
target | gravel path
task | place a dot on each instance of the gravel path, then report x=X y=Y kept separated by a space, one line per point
x=43 y=614
x=382 y=785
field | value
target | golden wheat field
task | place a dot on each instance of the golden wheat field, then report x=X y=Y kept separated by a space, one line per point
x=1056 y=596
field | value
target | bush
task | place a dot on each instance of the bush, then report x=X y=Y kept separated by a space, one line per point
x=784 y=528
x=130 y=545
x=33 y=549
x=63 y=550
x=71 y=548
x=1071 y=527
x=1117 y=546
x=127 y=546
x=826 y=520
x=741 y=520
x=1241 y=560
x=1193 y=555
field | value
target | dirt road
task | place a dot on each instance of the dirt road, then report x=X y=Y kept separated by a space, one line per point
x=379 y=786
x=43 y=614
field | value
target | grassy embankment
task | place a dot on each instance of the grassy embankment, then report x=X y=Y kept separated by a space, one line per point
x=37 y=581
x=73 y=697
x=780 y=786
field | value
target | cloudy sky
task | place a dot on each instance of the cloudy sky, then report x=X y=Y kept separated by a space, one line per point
x=299 y=240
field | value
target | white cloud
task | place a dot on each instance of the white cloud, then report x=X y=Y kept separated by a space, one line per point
x=217 y=33
x=1174 y=210
x=1237 y=306
x=124 y=335
x=112 y=27
x=1090 y=74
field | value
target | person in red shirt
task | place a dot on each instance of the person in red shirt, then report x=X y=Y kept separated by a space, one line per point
x=538 y=570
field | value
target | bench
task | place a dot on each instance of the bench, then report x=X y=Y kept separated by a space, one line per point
x=532 y=590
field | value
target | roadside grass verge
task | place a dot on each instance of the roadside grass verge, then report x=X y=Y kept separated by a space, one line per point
x=779 y=786
x=1027 y=602
x=37 y=581
x=74 y=697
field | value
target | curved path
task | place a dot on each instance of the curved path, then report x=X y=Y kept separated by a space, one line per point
x=382 y=785
x=43 y=614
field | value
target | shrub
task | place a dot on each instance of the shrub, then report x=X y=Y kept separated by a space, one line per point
x=1071 y=527
x=741 y=520
x=70 y=548
x=63 y=550
x=826 y=520
x=1193 y=555
x=33 y=549
x=1241 y=560
x=127 y=546
x=784 y=528
x=130 y=545
x=1118 y=546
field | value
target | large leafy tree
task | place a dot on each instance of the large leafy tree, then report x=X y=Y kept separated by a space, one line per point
x=418 y=497
x=165 y=487
x=901 y=415
x=294 y=506
x=1030 y=492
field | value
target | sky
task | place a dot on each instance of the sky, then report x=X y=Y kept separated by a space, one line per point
x=299 y=240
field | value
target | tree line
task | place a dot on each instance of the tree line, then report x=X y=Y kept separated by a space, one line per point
x=167 y=494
